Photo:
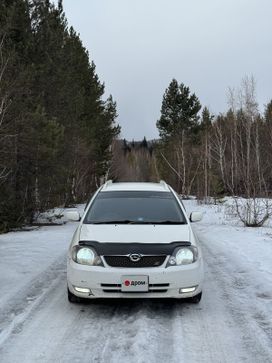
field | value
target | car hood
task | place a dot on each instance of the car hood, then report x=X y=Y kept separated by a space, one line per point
x=129 y=233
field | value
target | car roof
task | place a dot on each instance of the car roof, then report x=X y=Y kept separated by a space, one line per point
x=109 y=186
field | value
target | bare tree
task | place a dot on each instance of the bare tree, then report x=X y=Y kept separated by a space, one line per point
x=4 y=104
x=219 y=145
x=257 y=207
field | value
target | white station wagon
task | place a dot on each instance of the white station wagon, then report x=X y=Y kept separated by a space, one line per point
x=135 y=241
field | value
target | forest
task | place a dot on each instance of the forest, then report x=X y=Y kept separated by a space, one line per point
x=56 y=127
x=60 y=140
x=202 y=154
x=208 y=156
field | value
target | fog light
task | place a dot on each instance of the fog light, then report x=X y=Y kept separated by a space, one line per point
x=83 y=290
x=187 y=289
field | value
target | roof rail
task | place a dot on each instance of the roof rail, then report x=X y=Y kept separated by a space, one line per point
x=107 y=183
x=162 y=182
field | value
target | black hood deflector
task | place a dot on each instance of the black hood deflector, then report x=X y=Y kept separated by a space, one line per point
x=121 y=248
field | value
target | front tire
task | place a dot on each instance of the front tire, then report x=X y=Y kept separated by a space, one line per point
x=195 y=299
x=73 y=298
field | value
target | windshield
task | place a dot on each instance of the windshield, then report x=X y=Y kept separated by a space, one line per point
x=135 y=207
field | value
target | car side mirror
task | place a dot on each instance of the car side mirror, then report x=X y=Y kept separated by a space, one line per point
x=72 y=215
x=196 y=216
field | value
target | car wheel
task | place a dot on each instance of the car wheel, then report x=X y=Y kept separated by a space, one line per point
x=73 y=298
x=195 y=299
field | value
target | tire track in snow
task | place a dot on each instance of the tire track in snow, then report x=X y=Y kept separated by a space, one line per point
x=236 y=294
x=15 y=312
x=125 y=330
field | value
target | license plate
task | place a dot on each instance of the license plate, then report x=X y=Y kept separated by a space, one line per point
x=134 y=283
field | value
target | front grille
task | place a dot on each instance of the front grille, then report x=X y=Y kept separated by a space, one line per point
x=116 y=288
x=110 y=285
x=158 y=285
x=135 y=292
x=145 y=261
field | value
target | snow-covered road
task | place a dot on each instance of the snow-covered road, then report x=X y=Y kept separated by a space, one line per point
x=233 y=322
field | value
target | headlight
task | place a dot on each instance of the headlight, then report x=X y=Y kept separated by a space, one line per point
x=86 y=256
x=183 y=256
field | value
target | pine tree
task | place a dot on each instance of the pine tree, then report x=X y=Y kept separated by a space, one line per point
x=144 y=143
x=57 y=132
x=179 y=128
x=206 y=119
x=206 y=126
x=268 y=113
x=179 y=111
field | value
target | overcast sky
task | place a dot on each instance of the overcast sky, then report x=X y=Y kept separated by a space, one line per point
x=138 y=46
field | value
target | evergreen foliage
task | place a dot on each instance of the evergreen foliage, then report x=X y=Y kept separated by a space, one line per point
x=179 y=111
x=206 y=119
x=268 y=113
x=56 y=130
x=179 y=129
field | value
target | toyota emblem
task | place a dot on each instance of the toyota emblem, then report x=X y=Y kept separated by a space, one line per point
x=135 y=257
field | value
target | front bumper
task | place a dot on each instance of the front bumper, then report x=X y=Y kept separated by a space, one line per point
x=105 y=282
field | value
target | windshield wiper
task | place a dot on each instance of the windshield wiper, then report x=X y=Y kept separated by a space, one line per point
x=128 y=221
x=168 y=222
x=125 y=221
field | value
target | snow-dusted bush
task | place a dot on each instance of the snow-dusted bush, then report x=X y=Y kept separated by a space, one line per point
x=253 y=212
x=52 y=216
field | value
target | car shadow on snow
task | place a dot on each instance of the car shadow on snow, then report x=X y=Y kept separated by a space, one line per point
x=161 y=306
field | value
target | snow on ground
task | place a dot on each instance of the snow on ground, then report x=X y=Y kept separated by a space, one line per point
x=231 y=324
